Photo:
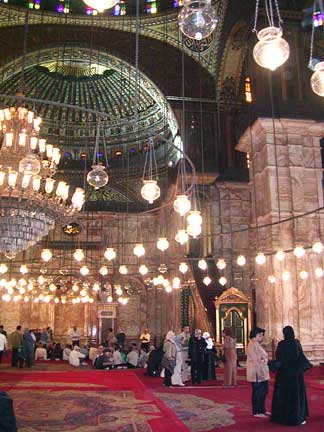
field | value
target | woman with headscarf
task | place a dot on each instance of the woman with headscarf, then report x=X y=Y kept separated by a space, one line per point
x=289 y=402
x=176 y=378
x=29 y=348
x=209 y=358
x=169 y=358
x=257 y=372
x=230 y=365
x=196 y=353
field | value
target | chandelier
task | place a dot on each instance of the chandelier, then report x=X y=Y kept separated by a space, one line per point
x=30 y=204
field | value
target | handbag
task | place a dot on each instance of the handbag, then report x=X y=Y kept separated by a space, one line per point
x=274 y=365
x=168 y=363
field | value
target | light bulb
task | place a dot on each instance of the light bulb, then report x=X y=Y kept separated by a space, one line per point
x=78 y=199
x=41 y=280
x=36 y=183
x=12 y=178
x=75 y=287
x=194 y=230
x=49 y=185
x=103 y=271
x=109 y=299
x=97 y=177
x=123 y=269
x=286 y=275
x=52 y=287
x=194 y=218
x=56 y=300
x=150 y=191
x=96 y=287
x=3 y=268
x=260 y=259
x=241 y=260
x=23 y=269
x=110 y=254
x=207 y=281
x=143 y=270
x=78 y=255
x=100 y=5
x=84 y=270
x=46 y=255
x=222 y=280
x=319 y=272
x=118 y=290
x=181 y=237
x=166 y=283
x=317 y=79
x=271 y=279
x=303 y=275
x=139 y=250
x=280 y=255
x=182 y=204
x=197 y=19
x=183 y=268
x=272 y=50
x=162 y=244
x=168 y=288
x=6 y=297
x=25 y=181
x=299 y=251
x=176 y=282
x=30 y=164
x=221 y=264
x=318 y=247
x=202 y=264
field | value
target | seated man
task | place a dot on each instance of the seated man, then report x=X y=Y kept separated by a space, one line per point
x=142 y=359
x=104 y=360
x=41 y=353
x=117 y=358
x=66 y=352
x=132 y=357
x=75 y=356
x=57 y=352
x=93 y=352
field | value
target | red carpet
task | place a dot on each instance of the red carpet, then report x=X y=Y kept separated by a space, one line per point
x=127 y=401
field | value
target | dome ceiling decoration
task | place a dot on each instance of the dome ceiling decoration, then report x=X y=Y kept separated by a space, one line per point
x=206 y=52
x=108 y=85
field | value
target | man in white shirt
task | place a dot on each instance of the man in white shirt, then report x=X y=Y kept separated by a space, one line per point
x=117 y=358
x=132 y=358
x=75 y=356
x=40 y=353
x=75 y=336
x=3 y=345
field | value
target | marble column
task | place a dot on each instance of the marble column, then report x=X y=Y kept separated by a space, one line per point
x=286 y=180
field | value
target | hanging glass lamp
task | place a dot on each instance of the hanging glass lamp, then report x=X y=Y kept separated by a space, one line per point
x=272 y=50
x=197 y=19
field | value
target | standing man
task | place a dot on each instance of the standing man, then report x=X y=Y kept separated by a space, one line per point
x=121 y=338
x=111 y=338
x=184 y=340
x=16 y=340
x=2 y=330
x=145 y=339
x=75 y=336
x=3 y=345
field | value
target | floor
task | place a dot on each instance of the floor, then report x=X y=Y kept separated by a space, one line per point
x=55 y=397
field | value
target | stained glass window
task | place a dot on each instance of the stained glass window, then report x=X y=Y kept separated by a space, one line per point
x=248 y=90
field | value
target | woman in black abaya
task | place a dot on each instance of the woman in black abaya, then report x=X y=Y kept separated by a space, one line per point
x=289 y=402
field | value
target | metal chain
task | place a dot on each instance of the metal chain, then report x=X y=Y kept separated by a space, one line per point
x=310 y=65
x=254 y=30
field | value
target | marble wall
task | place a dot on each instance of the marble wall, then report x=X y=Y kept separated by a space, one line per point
x=286 y=181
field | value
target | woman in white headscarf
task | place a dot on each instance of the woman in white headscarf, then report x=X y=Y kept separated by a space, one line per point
x=209 y=358
x=176 y=378
x=169 y=358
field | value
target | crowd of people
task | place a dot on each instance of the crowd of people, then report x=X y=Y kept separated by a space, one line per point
x=180 y=358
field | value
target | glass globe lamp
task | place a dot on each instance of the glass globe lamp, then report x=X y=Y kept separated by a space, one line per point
x=176 y=282
x=197 y=19
x=303 y=275
x=319 y=272
x=110 y=254
x=299 y=251
x=75 y=287
x=272 y=50
x=78 y=255
x=162 y=244
x=241 y=260
x=23 y=269
x=100 y=5
x=194 y=218
x=143 y=270
x=260 y=259
x=182 y=204
x=160 y=279
x=317 y=79
x=150 y=191
x=286 y=275
x=207 y=281
x=183 y=267
x=222 y=280
x=84 y=270
x=97 y=177
x=123 y=270
x=168 y=289
x=46 y=255
x=202 y=264
x=280 y=255
x=318 y=247
x=139 y=250
x=271 y=279
x=103 y=271
x=3 y=268
x=221 y=264
x=109 y=299
x=194 y=230
x=30 y=164
x=181 y=237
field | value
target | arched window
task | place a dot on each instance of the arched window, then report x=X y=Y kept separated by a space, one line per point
x=248 y=89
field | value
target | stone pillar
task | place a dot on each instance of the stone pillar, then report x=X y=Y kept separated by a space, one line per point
x=291 y=187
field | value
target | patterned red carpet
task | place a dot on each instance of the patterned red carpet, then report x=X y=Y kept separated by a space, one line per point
x=127 y=401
